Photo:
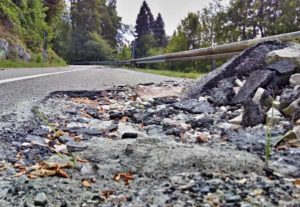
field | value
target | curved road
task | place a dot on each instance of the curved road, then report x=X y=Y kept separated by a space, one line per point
x=20 y=89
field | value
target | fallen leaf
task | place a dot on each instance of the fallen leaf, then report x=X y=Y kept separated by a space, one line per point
x=126 y=177
x=107 y=193
x=86 y=183
x=19 y=174
x=20 y=166
x=77 y=138
x=78 y=159
x=297 y=182
x=46 y=169
x=43 y=173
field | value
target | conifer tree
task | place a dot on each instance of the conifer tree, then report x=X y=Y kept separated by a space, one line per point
x=143 y=30
x=159 y=31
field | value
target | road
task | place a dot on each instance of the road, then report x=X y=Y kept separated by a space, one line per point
x=20 y=89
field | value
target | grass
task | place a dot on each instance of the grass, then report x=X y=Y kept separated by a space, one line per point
x=23 y=64
x=171 y=73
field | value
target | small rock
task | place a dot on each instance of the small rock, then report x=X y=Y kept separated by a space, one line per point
x=65 y=138
x=36 y=139
x=232 y=198
x=253 y=114
x=298 y=122
x=288 y=96
x=90 y=131
x=222 y=109
x=274 y=116
x=40 y=199
x=129 y=135
x=113 y=127
x=116 y=115
x=202 y=121
x=291 y=135
x=194 y=106
x=296 y=116
x=283 y=67
x=201 y=138
x=88 y=169
x=262 y=98
x=257 y=79
x=295 y=79
x=175 y=132
x=237 y=120
x=291 y=53
x=228 y=126
x=292 y=108
x=73 y=146
x=239 y=83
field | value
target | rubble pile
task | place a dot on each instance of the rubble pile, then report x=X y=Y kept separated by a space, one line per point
x=177 y=143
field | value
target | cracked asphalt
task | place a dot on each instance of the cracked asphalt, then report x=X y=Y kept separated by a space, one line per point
x=17 y=96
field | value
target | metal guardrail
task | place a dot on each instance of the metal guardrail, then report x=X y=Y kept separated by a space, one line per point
x=209 y=53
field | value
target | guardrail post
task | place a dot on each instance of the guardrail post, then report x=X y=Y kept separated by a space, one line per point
x=213 y=64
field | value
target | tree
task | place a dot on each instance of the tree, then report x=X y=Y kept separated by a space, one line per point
x=191 y=28
x=159 y=31
x=178 y=43
x=144 y=26
x=111 y=24
x=93 y=30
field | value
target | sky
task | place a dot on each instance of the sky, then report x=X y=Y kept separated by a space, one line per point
x=172 y=11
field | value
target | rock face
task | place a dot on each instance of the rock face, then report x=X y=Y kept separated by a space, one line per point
x=7 y=49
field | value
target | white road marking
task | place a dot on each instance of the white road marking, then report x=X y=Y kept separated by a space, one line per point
x=37 y=76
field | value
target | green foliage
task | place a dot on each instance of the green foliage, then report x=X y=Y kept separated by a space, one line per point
x=178 y=43
x=96 y=48
x=124 y=53
x=24 y=23
x=90 y=32
x=144 y=31
x=23 y=64
x=171 y=73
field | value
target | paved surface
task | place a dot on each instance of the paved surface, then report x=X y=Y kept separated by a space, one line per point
x=22 y=88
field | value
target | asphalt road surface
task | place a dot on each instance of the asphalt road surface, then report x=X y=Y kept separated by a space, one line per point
x=20 y=89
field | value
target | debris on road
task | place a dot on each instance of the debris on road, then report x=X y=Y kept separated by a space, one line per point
x=152 y=143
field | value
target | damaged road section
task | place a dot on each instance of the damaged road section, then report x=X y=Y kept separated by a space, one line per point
x=131 y=146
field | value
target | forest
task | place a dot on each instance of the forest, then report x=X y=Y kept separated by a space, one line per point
x=79 y=30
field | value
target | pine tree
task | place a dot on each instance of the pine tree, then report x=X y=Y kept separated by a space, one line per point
x=159 y=31
x=144 y=21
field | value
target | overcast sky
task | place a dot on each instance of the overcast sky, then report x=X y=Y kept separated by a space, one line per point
x=172 y=10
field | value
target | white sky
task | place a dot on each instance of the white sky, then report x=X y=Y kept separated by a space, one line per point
x=172 y=11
